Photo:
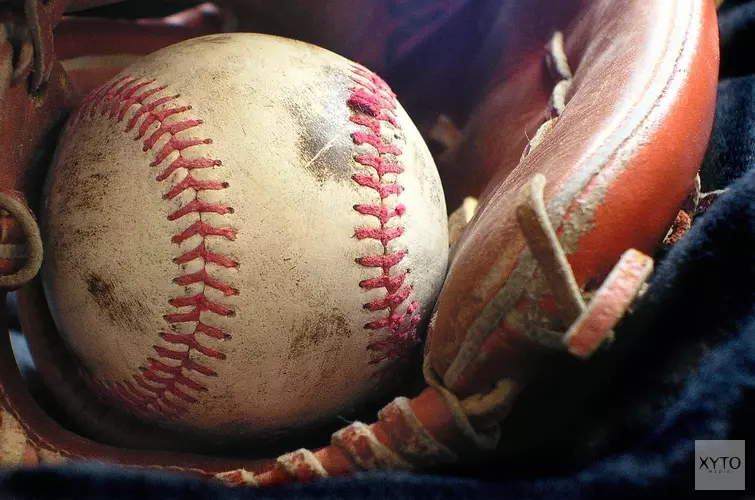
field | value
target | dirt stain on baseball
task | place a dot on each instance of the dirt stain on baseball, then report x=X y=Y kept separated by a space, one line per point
x=323 y=132
x=85 y=190
x=120 y=310
x=324 y=328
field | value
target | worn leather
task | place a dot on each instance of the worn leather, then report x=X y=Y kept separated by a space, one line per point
x=70 y=5
x=619 y=160
x=29 y=120
x=92 y=50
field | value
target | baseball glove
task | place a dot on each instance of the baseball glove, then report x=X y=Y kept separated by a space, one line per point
x=568 y=134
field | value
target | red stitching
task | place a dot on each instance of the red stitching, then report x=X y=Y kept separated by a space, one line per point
x=373 y=105
x=173 y=371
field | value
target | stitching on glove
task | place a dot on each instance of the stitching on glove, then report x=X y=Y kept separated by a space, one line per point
x=238 y=477
x=410 y=437
x=558 y=65
x=362 y=446
x=20 y=261
x=301 y=465
x=543 y=243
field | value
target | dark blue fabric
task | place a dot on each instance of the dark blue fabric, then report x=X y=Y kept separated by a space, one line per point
x=731 y=151
x=686 y=369
x=737 y=28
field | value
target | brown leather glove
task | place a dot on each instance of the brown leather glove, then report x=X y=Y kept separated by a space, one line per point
x=581 y=127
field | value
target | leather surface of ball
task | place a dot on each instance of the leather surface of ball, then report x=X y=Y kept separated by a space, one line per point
x=243 y=235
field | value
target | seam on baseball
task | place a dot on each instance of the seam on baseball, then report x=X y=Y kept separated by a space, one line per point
x=172 y=371
x=373 y=106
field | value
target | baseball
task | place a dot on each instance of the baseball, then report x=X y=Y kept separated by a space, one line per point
x=243 y=235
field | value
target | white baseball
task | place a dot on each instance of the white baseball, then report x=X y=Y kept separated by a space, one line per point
x=242 y=235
